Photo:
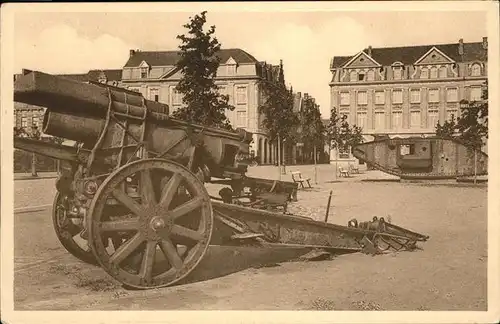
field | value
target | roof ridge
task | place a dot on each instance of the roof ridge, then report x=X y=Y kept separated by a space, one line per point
x=175 y=51
x=104 y=70
x=423 y=45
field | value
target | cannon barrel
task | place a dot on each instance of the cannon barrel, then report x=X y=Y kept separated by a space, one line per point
x=79 y=111
x=52 y=150
x=78 y=101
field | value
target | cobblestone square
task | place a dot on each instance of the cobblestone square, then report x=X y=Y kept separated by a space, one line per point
x=448 y=273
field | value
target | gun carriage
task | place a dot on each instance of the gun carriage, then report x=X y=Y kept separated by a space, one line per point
x=134 y=187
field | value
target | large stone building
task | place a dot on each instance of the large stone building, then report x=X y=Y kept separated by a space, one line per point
x=155 y=75
x=406 y=91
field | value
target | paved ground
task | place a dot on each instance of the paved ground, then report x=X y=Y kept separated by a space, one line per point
x=448 y=274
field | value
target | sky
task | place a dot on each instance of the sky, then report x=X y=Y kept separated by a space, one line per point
x=73 y=42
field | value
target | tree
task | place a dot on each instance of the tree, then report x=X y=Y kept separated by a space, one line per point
x=198 y=63
x=447 y=130
x=312 y=130
x=472 y=126
x=279 y=118
x=37 y=135
x=341 y=135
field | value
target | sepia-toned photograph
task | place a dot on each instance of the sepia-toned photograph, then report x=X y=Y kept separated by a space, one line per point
x=306 y=157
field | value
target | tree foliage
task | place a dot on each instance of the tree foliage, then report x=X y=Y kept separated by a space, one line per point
x=472 y=126
x=277 y=108
x=340 y=134
x=312 y=130
x=199 y=63
x=447 y=129
x=36 y=134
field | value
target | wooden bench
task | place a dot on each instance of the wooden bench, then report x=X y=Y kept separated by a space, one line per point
x=343 y=172
x=353 y=168
x=297 y=178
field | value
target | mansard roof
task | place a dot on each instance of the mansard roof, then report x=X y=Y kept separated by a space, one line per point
x=170 y=58
x=410 y=54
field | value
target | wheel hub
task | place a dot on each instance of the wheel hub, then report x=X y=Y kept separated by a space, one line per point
x=154 y=222
x=157 y=223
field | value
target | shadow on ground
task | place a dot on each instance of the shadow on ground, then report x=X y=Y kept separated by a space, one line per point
x=220 y=261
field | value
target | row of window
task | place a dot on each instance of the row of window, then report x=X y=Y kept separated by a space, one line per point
x=396 y=122
x=231 y=70
x=35 y=121
x=241 y=99
x=425 y=73
x=154 y=94
x=415 y=96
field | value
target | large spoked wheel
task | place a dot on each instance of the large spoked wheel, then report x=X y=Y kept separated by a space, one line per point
x=160 y=213
x=68 y=232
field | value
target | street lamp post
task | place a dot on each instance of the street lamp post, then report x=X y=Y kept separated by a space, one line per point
x=279 y=157
x=315 y=167
x=283 y=170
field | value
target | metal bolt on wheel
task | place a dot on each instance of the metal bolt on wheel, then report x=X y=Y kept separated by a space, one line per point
x=161 y=213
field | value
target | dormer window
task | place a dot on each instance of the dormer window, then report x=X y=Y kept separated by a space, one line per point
x=144 y=72
x=353 y=76
x=434 y=72
x=424 y=74
x=476 y=70
x=231 y=66
x=397 y=70
x=443 y=72
x=397 y=73
x=370 y=76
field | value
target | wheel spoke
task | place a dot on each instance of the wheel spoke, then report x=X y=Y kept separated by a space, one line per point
x=186 y=232
x=147 y=190
x=120 y=225
x=122 y=197
x=147 y=261
x=126 y=249
x=186 y=208
x=170 y=252
x=170 y=190
x=117 y=241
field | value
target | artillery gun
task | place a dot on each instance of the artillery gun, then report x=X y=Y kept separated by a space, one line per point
x=134 y=188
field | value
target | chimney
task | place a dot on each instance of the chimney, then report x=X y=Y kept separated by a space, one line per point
x=485 y=43
x=132 y=52
x=370 y=51
x=461 y=46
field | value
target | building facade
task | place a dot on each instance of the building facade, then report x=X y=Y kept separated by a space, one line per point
x=406 y=91
x=155 y=75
